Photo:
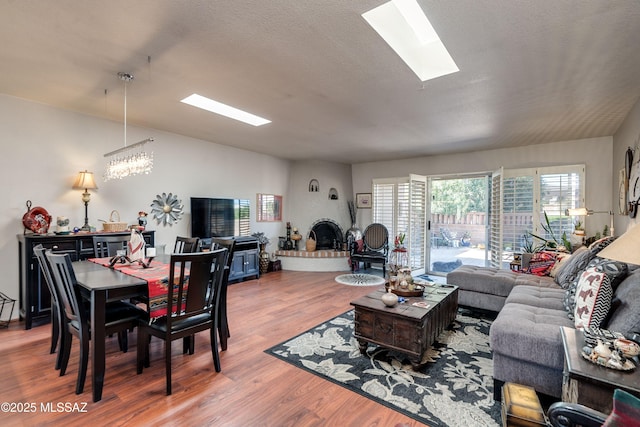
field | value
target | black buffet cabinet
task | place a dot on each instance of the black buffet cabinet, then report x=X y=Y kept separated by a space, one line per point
x=35 y=300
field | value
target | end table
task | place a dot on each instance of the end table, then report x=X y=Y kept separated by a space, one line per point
x=589 y=384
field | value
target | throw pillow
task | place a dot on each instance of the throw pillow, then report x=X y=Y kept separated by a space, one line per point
x=541 y=263
x=593 y=299
x=625 y=412
x=561 y=259
x=572 y=269
x=616 y=270
x=599 y=245
x=569 y=300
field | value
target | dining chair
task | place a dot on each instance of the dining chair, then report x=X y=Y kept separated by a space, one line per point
x=186 y=245
x=192 y=306
x=56 y=315
x=119 y=317
x=223 y=321
x=107 y=246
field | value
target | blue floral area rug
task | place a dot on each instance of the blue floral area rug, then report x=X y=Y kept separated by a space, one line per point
x=454 y=387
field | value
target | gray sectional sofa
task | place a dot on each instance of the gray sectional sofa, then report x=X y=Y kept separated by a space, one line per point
x=525 y=336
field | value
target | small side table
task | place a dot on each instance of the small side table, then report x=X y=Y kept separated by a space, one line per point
x=589 y=384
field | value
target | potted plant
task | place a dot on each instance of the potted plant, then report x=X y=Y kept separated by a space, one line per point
x=578 y=228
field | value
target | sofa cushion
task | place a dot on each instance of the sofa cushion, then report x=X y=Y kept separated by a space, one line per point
x=493 y=281
x=593 y=299
x=572 y=269
x=626 y=318
x=530 y=334
x=537 y=296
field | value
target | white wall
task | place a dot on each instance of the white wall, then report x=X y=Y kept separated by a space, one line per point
x=43 y=149
x=595 y=153
x=307 y=207
x=628 y=135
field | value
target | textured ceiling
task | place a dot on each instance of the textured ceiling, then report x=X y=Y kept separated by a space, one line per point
x=530 y=71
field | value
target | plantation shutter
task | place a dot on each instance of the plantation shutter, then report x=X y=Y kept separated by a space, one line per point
x=417 y=236
x=560 y=189
x=384 y=204
x=495 y=219
x=400 y=205
x=518 y=202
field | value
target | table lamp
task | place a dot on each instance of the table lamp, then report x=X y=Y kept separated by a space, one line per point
x=625 y=248
x=85 y=181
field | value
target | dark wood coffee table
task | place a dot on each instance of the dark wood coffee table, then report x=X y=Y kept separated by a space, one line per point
x=405 y=327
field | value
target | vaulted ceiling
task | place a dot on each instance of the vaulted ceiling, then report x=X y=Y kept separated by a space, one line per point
x=530 y=71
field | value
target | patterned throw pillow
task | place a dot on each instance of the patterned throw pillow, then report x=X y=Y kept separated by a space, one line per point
x=615 y=270
x=599 y=245
x=541 y=263
x=561 y=259
x=593 y=299
x=572 y=268
x=626 y=410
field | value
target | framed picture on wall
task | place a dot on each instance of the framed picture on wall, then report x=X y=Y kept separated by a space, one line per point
x=363 y=200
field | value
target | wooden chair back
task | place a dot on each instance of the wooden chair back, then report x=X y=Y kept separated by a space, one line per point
x=45 y=269
x=107 y=246
x=186 y=245
x=65 y=280
x=193 y=280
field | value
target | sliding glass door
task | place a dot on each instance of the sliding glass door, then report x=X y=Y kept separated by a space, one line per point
x=459 y=212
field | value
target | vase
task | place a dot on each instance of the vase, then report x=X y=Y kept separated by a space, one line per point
x=353 y=235
x=264 y=259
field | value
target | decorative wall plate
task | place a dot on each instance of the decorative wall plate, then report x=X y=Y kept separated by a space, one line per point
x=166 y=209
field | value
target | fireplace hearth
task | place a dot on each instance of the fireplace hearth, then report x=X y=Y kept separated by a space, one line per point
x=328 y=234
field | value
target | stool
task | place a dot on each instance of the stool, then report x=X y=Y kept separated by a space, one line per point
x=275 y=265
x=521 y=406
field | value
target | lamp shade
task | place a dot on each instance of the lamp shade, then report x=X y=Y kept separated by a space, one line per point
x=577 y=212
x=625 y=248
x=85 y=181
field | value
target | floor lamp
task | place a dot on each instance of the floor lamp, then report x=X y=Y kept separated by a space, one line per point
x=85 y=181
x=588 y=212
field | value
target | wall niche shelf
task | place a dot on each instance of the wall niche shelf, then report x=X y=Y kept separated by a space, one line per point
x=314 y=186
x=333 y=194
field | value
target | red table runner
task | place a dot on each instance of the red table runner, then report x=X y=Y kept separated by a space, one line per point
x=157 y=278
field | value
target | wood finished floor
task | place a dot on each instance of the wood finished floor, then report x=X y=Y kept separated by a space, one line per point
x=253 y=389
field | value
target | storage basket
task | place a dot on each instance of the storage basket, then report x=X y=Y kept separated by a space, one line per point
x=114 y=223
x=311 y=242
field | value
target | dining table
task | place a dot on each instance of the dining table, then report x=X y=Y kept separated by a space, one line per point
x=99 y=285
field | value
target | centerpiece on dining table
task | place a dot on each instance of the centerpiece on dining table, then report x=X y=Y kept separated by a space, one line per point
x=135 y=252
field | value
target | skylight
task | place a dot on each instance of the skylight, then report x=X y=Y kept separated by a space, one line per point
x=405 y=27
x=224 y=110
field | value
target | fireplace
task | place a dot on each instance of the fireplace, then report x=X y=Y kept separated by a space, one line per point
x=328 y=233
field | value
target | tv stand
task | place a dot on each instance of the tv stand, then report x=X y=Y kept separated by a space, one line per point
x=246 y=257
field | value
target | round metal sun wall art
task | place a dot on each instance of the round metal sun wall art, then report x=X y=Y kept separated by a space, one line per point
x=166 y=209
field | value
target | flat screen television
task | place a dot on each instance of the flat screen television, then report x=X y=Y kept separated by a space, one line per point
x=212 y=217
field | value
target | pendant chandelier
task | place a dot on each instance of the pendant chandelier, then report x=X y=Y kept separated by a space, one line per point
x=131 y=159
